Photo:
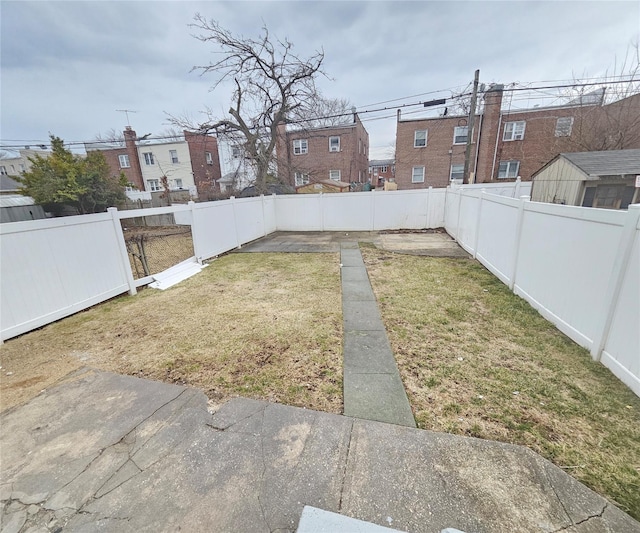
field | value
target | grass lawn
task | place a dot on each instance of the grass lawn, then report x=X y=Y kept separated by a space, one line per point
x=477 y=360
x=266 y=326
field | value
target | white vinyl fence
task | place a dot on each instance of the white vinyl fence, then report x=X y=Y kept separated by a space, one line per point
x=580 y=267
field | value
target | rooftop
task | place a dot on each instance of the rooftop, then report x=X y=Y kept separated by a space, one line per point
x=606 y=163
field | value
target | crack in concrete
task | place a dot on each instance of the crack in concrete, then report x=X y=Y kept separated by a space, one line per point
x=346 y=463
x=264 y=470
x=574 y=524
x=262 y=408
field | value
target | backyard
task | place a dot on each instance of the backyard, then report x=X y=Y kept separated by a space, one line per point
x=475 y=359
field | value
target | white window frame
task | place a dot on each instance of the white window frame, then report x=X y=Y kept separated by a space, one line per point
x=3 y=171
x=22 y=167
x=235 y=152
x=413 y=174
x=177 y=183
x=564 y=126
x=209 y=158
x=148 y=158
x=514 y=131
x=300 y=147
x=301 y=178
x=459 y=173
x=333 y=146
x=457 y=134
x=508 y=173
x=335 y=175
x=123 y=159
x=173 y=155
x=417 y=138
x=154 y=185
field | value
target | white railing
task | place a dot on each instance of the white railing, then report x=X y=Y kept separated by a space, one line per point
x=578 y=266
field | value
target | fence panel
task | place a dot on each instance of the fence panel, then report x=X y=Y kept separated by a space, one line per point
x=565 y=262
x=214 y=228
x=348 y=211
x=299 y=212
x=249 y=219
x=400 y=209
x=54 y=268
x=622 y=350
x=269 y=203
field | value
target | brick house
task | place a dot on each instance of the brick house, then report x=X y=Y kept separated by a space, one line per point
x=430 y=151
x=191 y=164
x=339 y=153
x=381 y=170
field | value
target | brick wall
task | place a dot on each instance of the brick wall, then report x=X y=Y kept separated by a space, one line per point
x=205 y=172
x=352 y=160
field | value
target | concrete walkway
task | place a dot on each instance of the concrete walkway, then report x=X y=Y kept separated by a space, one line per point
x=373 y=389
x=110 y=453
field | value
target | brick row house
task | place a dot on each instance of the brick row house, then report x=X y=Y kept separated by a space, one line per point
x=339 y=153
x=430 y=152
x=381 y=170
x=191 y=164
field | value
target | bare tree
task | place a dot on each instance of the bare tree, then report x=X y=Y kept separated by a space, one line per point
x=270 y=84
x=111 y=136
x=608 y=115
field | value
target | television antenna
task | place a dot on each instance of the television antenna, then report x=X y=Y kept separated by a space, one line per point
x=126 y=112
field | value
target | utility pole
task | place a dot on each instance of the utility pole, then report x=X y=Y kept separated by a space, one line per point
x=472 y=119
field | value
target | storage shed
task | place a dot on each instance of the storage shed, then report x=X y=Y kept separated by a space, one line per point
x=604 y=179
x=323 y=186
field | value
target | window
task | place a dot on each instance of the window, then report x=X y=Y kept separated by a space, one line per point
x=300 y=146
x=508 y=169
x=209 y=158
x=302 y=178
x=417 y=175
x=460 y=134
x=609 y=197
x=124 y=161
x=178 y=183
x=173 y=154
x=420 y=138
x=21 y=167
x=3 y=171
x=13 y=169
x=148 y=158
x=334 y=144
x=154 y=185
x=235 y=152
x=359 y=146
x=334 y=175
x=564 y=126
x=380 y=169
x=514 y=131
x=457 y=172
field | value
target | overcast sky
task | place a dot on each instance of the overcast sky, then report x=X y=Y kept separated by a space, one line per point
x=68 y=66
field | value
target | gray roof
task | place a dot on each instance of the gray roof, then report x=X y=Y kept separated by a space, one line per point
x=381 y=162
x=15 y=200
x=606 y=163
x=8 y=184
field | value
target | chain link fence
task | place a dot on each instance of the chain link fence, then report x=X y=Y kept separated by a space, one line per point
x=153 y=249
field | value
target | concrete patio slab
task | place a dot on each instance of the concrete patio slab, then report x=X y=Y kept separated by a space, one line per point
x=102 y=452
x=357 y=291
x=368 y=353
x=361 y=315
x=428 y=244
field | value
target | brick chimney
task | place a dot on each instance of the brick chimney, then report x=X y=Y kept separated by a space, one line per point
x=489 y=132
x=135 y=174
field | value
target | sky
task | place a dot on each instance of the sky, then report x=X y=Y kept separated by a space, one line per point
x=67 y=67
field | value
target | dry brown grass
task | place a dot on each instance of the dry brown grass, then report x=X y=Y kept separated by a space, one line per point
x=266 y=326
x=477 y=360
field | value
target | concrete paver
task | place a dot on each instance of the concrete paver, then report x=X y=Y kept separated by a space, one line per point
x=102 y=452
x=372 y=386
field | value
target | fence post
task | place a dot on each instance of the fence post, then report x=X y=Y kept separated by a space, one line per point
x=264 y=219
x=235 y=220
x=620 y=265
x=516 y=190
x=373 y=209
x=518 y=238
x=321 y=204
x=459 y=190
x=426 y=222
x=477 y=239
x=194 y=233
x=122 y=246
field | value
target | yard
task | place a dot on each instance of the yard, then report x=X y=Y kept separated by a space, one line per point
x=475 y=359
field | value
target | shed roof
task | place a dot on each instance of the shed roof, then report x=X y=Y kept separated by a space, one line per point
x=15 y=200
x=606 y=163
